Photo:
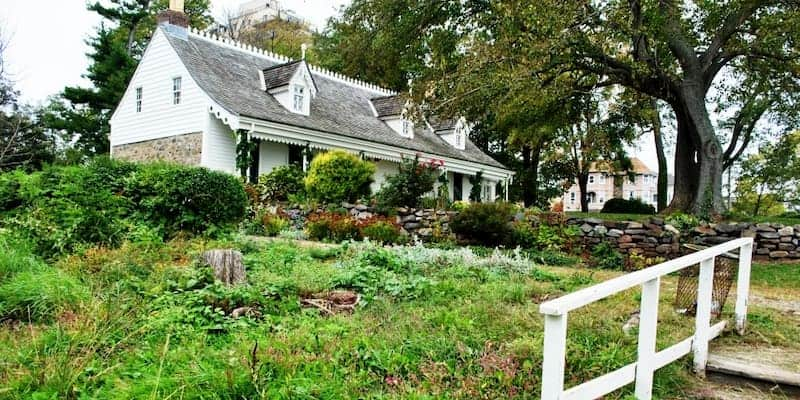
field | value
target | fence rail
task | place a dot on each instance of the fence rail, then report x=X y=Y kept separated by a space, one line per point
x=648 y=360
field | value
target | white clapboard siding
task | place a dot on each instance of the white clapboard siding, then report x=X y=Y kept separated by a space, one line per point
x=159 y=116
x=219 y=146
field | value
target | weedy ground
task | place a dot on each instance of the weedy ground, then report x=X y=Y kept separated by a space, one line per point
x=146 y=321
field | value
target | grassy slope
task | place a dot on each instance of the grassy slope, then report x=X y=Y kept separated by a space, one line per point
x=471 y=334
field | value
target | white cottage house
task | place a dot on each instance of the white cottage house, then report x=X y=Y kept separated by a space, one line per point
x=194 y=96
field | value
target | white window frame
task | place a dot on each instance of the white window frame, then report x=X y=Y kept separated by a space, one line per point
x=139 y=97
x=602 y=179
x=571 y=197
x=591 y=178
x=177 y=84
x=298 y=98
x=631 y=195
x=406 y=127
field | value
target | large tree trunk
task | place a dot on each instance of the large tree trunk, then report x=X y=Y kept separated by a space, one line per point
x=663 y=173
x=708 y=195
x=698 y=158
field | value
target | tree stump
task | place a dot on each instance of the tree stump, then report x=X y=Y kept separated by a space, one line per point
x=227 y=264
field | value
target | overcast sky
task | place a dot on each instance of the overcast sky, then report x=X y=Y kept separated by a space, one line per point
x=47 y=49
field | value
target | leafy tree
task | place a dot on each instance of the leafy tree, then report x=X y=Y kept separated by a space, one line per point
x=278 y=35
x=412 y=180
x=660 y=49
x=23 y=142
x=770 y=178
x=81 y=114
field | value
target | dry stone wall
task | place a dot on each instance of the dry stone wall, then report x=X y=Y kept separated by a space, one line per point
x=656 y=238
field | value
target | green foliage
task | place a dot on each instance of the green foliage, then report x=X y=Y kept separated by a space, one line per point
x=338 y=176
x=683 y=222
x=40 y=295
x=178 y=198
x=333 y=227
x=769 y=178
x=406 y=188
x=280 y=183
x=485 y=223
x=61 y=209
x=623 y=206
x=381 y=230
x=16 y=255
x=605 y=256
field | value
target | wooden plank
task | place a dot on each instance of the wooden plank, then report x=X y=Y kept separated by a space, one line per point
x=743 y=287
x=702 y=328
x=647 y=339
x=598 y=387
x=766 y=373
x=554 y=360
x=589 y=295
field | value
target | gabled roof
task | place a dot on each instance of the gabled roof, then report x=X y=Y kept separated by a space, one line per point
x=280 y=75
x=230 y=76
x=388 y=106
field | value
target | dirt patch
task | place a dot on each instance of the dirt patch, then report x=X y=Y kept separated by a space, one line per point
x=791 y=307
x=334 y=302
x=718 y=391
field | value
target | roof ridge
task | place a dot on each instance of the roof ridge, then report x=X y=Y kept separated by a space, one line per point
x=275 y=57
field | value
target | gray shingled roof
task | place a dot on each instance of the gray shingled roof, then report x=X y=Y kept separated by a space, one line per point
x=439 y=124
x=387 y=106
x=231 y=77
x=280 y=75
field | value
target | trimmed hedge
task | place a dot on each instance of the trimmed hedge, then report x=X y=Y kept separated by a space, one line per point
x=622 y=206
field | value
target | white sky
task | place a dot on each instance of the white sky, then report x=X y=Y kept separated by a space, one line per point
x=47 y=48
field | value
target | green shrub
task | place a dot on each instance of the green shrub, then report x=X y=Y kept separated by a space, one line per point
x=484 y=223
x=9 y=190
x=605 y=256
x=40 y=295
x=681 y=221
x=273 y=224
x=523 y=234
x=192 y=199
x=412 y=181
x=16 y=255
x=65 y=208
x=338 y=176
x=280 y=183
x=382 y=230
x=623 y=206
x=334 y=227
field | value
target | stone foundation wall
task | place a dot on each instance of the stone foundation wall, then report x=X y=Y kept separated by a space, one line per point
x=182 y=149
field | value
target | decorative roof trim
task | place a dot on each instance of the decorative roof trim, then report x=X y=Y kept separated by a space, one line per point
x=277 y=58
x=268 y=129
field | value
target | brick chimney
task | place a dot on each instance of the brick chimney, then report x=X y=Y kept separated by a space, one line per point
x=174 y=15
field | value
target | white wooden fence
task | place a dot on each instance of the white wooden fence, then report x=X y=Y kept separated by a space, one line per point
x=648 y=360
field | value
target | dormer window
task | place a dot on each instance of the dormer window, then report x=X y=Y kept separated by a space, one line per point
x=299 y=98
x=292 y=85
x=394 y=110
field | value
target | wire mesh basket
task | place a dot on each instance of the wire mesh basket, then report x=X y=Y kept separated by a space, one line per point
x=725 y=268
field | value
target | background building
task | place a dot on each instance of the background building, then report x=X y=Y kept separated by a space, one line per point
x=601 y=186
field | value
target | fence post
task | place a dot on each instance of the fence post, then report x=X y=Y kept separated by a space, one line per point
x=743 y=286
x=555 y=348
x=648 y=324
x=705 y=287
